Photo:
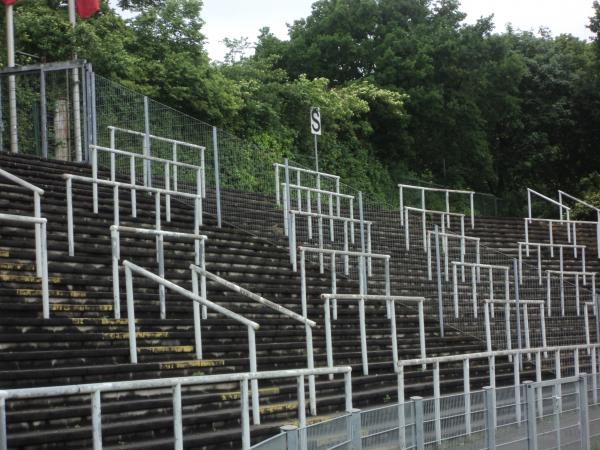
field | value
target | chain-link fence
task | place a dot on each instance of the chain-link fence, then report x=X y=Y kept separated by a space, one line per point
x=553 y=414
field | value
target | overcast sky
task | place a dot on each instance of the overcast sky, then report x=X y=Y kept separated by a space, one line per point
x=237 y=18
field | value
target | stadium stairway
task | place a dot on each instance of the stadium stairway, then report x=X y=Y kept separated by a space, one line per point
x=82 y=342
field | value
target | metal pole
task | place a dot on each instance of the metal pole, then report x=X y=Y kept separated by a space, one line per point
x=217 y=175
x=97 y=420
x=490 y=417
x=419 y=423
x=583 y=412
x=532 y=437
x=130 y=316
x=245 y=414
x=115 y=273
x=316 y=154
x=12 y=87
x=70 y=231
x=3 y=432
x=147 y=175
x=439 y=280
x=177 y=417
x=518 y=301
x=43 y=113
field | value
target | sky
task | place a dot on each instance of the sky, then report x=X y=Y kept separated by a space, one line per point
x=243 y=18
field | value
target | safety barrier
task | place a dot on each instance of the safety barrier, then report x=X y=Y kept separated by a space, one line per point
x=424 y=212
x=147 y=148
x=116 y=185
x=445 y=238
x=563 y=209
x=446 y=192
x=96 y=390
x=561 y=275
x=116 y=231
x=308 y=324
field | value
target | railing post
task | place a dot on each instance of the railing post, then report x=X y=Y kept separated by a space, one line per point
x=147 y=175
x=96 y=420
x=114 y=240
x=70 y=230
x=130 y=316
x=531 y=416
x=45 y=293
x=217 y=175
x=37 y=212
x=490 y=417
x=161 y=273
x=439 y=280
x=196 y=313
x=254 y=381
x=245 y=412
x=419 y=423
x=291 y=436
x=583 y=412
x=177 y=417
x=3 y=431
x=356 y=429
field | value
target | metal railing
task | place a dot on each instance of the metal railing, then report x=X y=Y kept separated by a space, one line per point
x=115 y=233
x=176 y=146
x=300 y=171
x=37 y=212
x=134 y=188
x=445 y=238
x=95 y=391
x=446 y=192
x=541 y=245
x=571 y=229
x=169 y=171
x=423 y=213
x=41 y=253
x=391 y=301
x=308 y=324
x=561 y=208
x=493 y=418
x=561 y=275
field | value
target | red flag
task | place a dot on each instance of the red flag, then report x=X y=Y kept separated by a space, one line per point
x=85 y=8
x=8 y=2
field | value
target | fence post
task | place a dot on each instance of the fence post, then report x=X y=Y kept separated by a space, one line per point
x=291 y=436
x=518 y=309
x=439 y=280
x=43 y=115
x=93 y=106
x=96 y=420
x=355 y=428
x=217 y=175
x=531 y=415
x=147 y=179
x=3 y=430
x=583 y=411
x=419 y=425
x=490 y=417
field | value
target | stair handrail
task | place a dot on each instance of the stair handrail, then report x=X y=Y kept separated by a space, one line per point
x=541 y=245
x=579 y=201
x=41 y=252
x=391 y=302
x=447 y=193
x=166 y=164
x=446 y=236
x=175 y=142
x=160 y=235
x=561 y=207
x=37 y=212
x=251 y=326
x=571 y=229
x=561 y=274
x=424 y=212
x=299 y=171
x=134 y=188
x=466 y=359
x=176 y=383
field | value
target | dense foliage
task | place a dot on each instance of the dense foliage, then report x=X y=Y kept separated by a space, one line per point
x=406 y=88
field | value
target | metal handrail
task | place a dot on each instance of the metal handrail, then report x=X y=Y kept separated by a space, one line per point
x=466 y=358
x=424 y=212
x=41 y=252
x=562 y=274
x=115 y=232
x=552 y=246
x=445 y=236
x=134 y=188
x=390 y=302
x=548 y=199
x=147 y=158
x=158 y=138
x=447 y=192
x=37 y=212
x=251 y=326
x=571 y=229
x=96 y=389
x=577 y=200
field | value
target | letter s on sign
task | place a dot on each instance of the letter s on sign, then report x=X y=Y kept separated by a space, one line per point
x=315 y=121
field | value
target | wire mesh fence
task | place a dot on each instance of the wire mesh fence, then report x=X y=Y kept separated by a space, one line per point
x=553 y=414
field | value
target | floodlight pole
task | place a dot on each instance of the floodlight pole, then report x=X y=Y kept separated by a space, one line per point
x=12 y=86
x=76 y=95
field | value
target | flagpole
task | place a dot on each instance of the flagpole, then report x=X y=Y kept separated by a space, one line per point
x=12 y=86
x=76 y=95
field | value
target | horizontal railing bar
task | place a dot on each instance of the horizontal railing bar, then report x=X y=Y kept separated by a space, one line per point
x=482 y=266
x=331 y=251
x=578 y=200
x=175 y=234
x=566 y=221
x=432 y=211
x=328 y=216
x=136 y=187
x=21 y=182
x=301 y=169
x=496 y=353
x=144 y=157
x=203 y=301
x=24 y=219
x=371 y=297
x=158 y=383
x=431 y=189
x=542 y=244
x=511 y=302
x=571 y=272
x=458 y=236
x=158 y=138
x=319 y=191
x=240 y=290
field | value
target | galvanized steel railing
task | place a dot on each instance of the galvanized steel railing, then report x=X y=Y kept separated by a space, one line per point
x=96 y=390
x=116 y=185
x=562 y=208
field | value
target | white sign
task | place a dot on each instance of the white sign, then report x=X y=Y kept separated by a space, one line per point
x=315 y=121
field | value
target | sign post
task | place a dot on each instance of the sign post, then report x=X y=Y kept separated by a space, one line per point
x=315 y=129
